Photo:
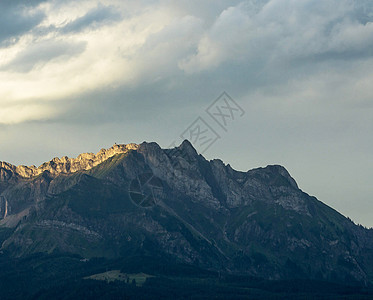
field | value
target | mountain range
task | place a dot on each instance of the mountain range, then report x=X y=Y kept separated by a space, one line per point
x=141 y=200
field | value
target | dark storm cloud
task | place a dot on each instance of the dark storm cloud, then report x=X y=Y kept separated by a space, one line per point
x=94 y=18
x=16 y=19
x=43 y=52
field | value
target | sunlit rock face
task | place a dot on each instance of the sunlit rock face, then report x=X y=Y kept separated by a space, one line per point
x=84 y=161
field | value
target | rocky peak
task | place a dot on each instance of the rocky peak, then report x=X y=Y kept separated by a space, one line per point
x=185 y=151
x=188 y=147
x=84 y=161
x=284 y=173
x=151 y=147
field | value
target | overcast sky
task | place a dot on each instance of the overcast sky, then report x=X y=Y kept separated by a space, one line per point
x=77 y=76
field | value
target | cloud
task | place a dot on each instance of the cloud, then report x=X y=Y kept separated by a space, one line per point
x=90 y=46
x=19 y=113
x=279 y=29
x=18 y=18
x=58 y=65
x=94 y=18
x=43 y=52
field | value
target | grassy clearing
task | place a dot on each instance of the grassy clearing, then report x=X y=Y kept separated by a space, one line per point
x=116 y=275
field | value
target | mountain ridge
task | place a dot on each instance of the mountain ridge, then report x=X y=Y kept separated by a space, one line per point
x=174 y=202
x=83 y=161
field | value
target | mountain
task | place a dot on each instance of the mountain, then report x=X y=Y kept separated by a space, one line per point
x=141 y=200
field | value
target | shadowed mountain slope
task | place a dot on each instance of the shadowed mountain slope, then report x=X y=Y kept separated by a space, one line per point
x=146 y=200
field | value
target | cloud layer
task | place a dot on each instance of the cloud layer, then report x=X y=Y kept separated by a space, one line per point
x=53 y=50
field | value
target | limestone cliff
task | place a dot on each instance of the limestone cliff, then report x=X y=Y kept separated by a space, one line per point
x=83 y=162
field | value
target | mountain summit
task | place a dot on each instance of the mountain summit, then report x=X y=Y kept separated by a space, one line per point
x=141 y=199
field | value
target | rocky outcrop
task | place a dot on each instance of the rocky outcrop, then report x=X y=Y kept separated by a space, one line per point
x=3 y=207
x=64 y=164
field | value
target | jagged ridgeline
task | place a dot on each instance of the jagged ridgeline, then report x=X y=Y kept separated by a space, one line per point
x=83 y=162
x=133 y=199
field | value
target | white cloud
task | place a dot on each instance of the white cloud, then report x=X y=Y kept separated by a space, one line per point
x=25 y=112
x=83 y=46
x=54 y=66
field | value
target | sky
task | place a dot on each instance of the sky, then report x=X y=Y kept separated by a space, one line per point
x=78 y=76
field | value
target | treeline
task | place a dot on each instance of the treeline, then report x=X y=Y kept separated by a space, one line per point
x=60 y=276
